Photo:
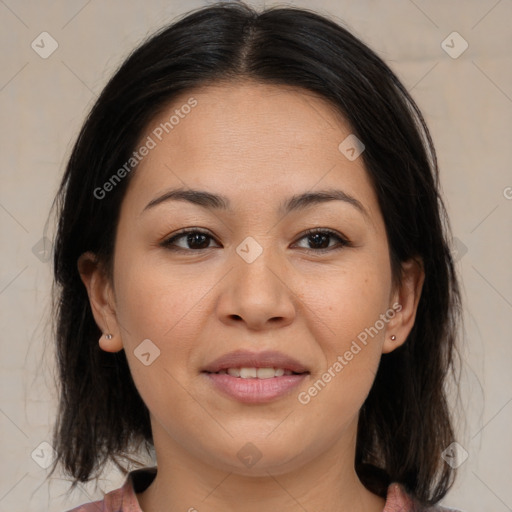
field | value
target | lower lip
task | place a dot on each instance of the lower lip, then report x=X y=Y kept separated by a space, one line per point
x=255 y=390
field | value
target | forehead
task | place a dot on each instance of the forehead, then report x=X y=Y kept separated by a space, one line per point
x=245 y=137
x=242 y=117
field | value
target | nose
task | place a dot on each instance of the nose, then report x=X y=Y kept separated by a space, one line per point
x=257 y=293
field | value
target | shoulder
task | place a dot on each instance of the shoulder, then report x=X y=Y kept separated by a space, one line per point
x=398 y=500
x=95 y=506
x=124 y=498
x=114 y=501
x=440 y=508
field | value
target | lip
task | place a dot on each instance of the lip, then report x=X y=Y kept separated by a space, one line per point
x=247 y=359
x=255 y=390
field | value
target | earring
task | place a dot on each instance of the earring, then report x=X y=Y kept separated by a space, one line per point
x=108 y=336
x=393 y=337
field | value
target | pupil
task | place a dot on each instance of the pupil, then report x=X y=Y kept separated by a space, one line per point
x=196 y=237
x=318 y=238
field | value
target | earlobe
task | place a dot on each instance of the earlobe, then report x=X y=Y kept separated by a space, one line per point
x=110 y=343
x=99 y=291
x=408 y=297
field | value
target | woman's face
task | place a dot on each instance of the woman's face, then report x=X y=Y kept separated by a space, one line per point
x=253 y=280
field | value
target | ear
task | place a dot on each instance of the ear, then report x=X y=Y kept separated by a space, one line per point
x=100 y=294
x=407 y=296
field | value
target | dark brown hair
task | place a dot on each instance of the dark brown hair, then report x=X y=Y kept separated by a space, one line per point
x=405 y=421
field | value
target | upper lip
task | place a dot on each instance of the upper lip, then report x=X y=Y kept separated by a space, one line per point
x=247 y=359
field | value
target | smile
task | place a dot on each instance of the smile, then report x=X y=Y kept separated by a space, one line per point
x=255 y=373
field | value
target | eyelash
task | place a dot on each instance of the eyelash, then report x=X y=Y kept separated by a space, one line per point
x=342 y=242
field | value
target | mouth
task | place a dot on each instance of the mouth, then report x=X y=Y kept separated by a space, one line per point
x=251 y=377
x=256 y=373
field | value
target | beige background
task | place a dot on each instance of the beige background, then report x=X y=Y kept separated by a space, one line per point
x=467 y=102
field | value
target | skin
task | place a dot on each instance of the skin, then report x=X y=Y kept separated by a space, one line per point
x=257 y=145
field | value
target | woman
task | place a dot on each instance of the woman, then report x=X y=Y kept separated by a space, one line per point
x=250 y=224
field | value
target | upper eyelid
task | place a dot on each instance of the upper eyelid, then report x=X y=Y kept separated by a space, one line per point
x=169 y=240
x=333 y=233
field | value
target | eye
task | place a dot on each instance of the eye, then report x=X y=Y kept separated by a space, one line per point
x=320 y=239
x=197 y=240
x=191 y=239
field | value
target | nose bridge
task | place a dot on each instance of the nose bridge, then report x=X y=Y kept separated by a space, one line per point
x=257 y=291
x=257 y=264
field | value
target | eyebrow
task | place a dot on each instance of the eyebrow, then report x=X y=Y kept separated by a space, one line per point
x=218 y=202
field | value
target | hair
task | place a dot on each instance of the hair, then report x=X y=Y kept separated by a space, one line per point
x=405 y=421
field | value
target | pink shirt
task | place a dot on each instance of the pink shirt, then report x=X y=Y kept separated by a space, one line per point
x=124 y=499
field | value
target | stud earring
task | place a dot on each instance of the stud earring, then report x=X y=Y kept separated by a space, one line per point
x=393 y=337
x=108 y=336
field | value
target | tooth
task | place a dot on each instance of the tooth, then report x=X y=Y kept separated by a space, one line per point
x=247 y=373
x=256 y=373
x=265 y=373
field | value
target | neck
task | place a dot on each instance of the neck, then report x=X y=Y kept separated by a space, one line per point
x=185 y=482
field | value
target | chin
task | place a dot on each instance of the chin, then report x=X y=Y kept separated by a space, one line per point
x=259 y=456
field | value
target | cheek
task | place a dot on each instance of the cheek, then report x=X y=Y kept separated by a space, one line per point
x=158 y=302
x=165 y=308
x=346 y=301
x=350 y=304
